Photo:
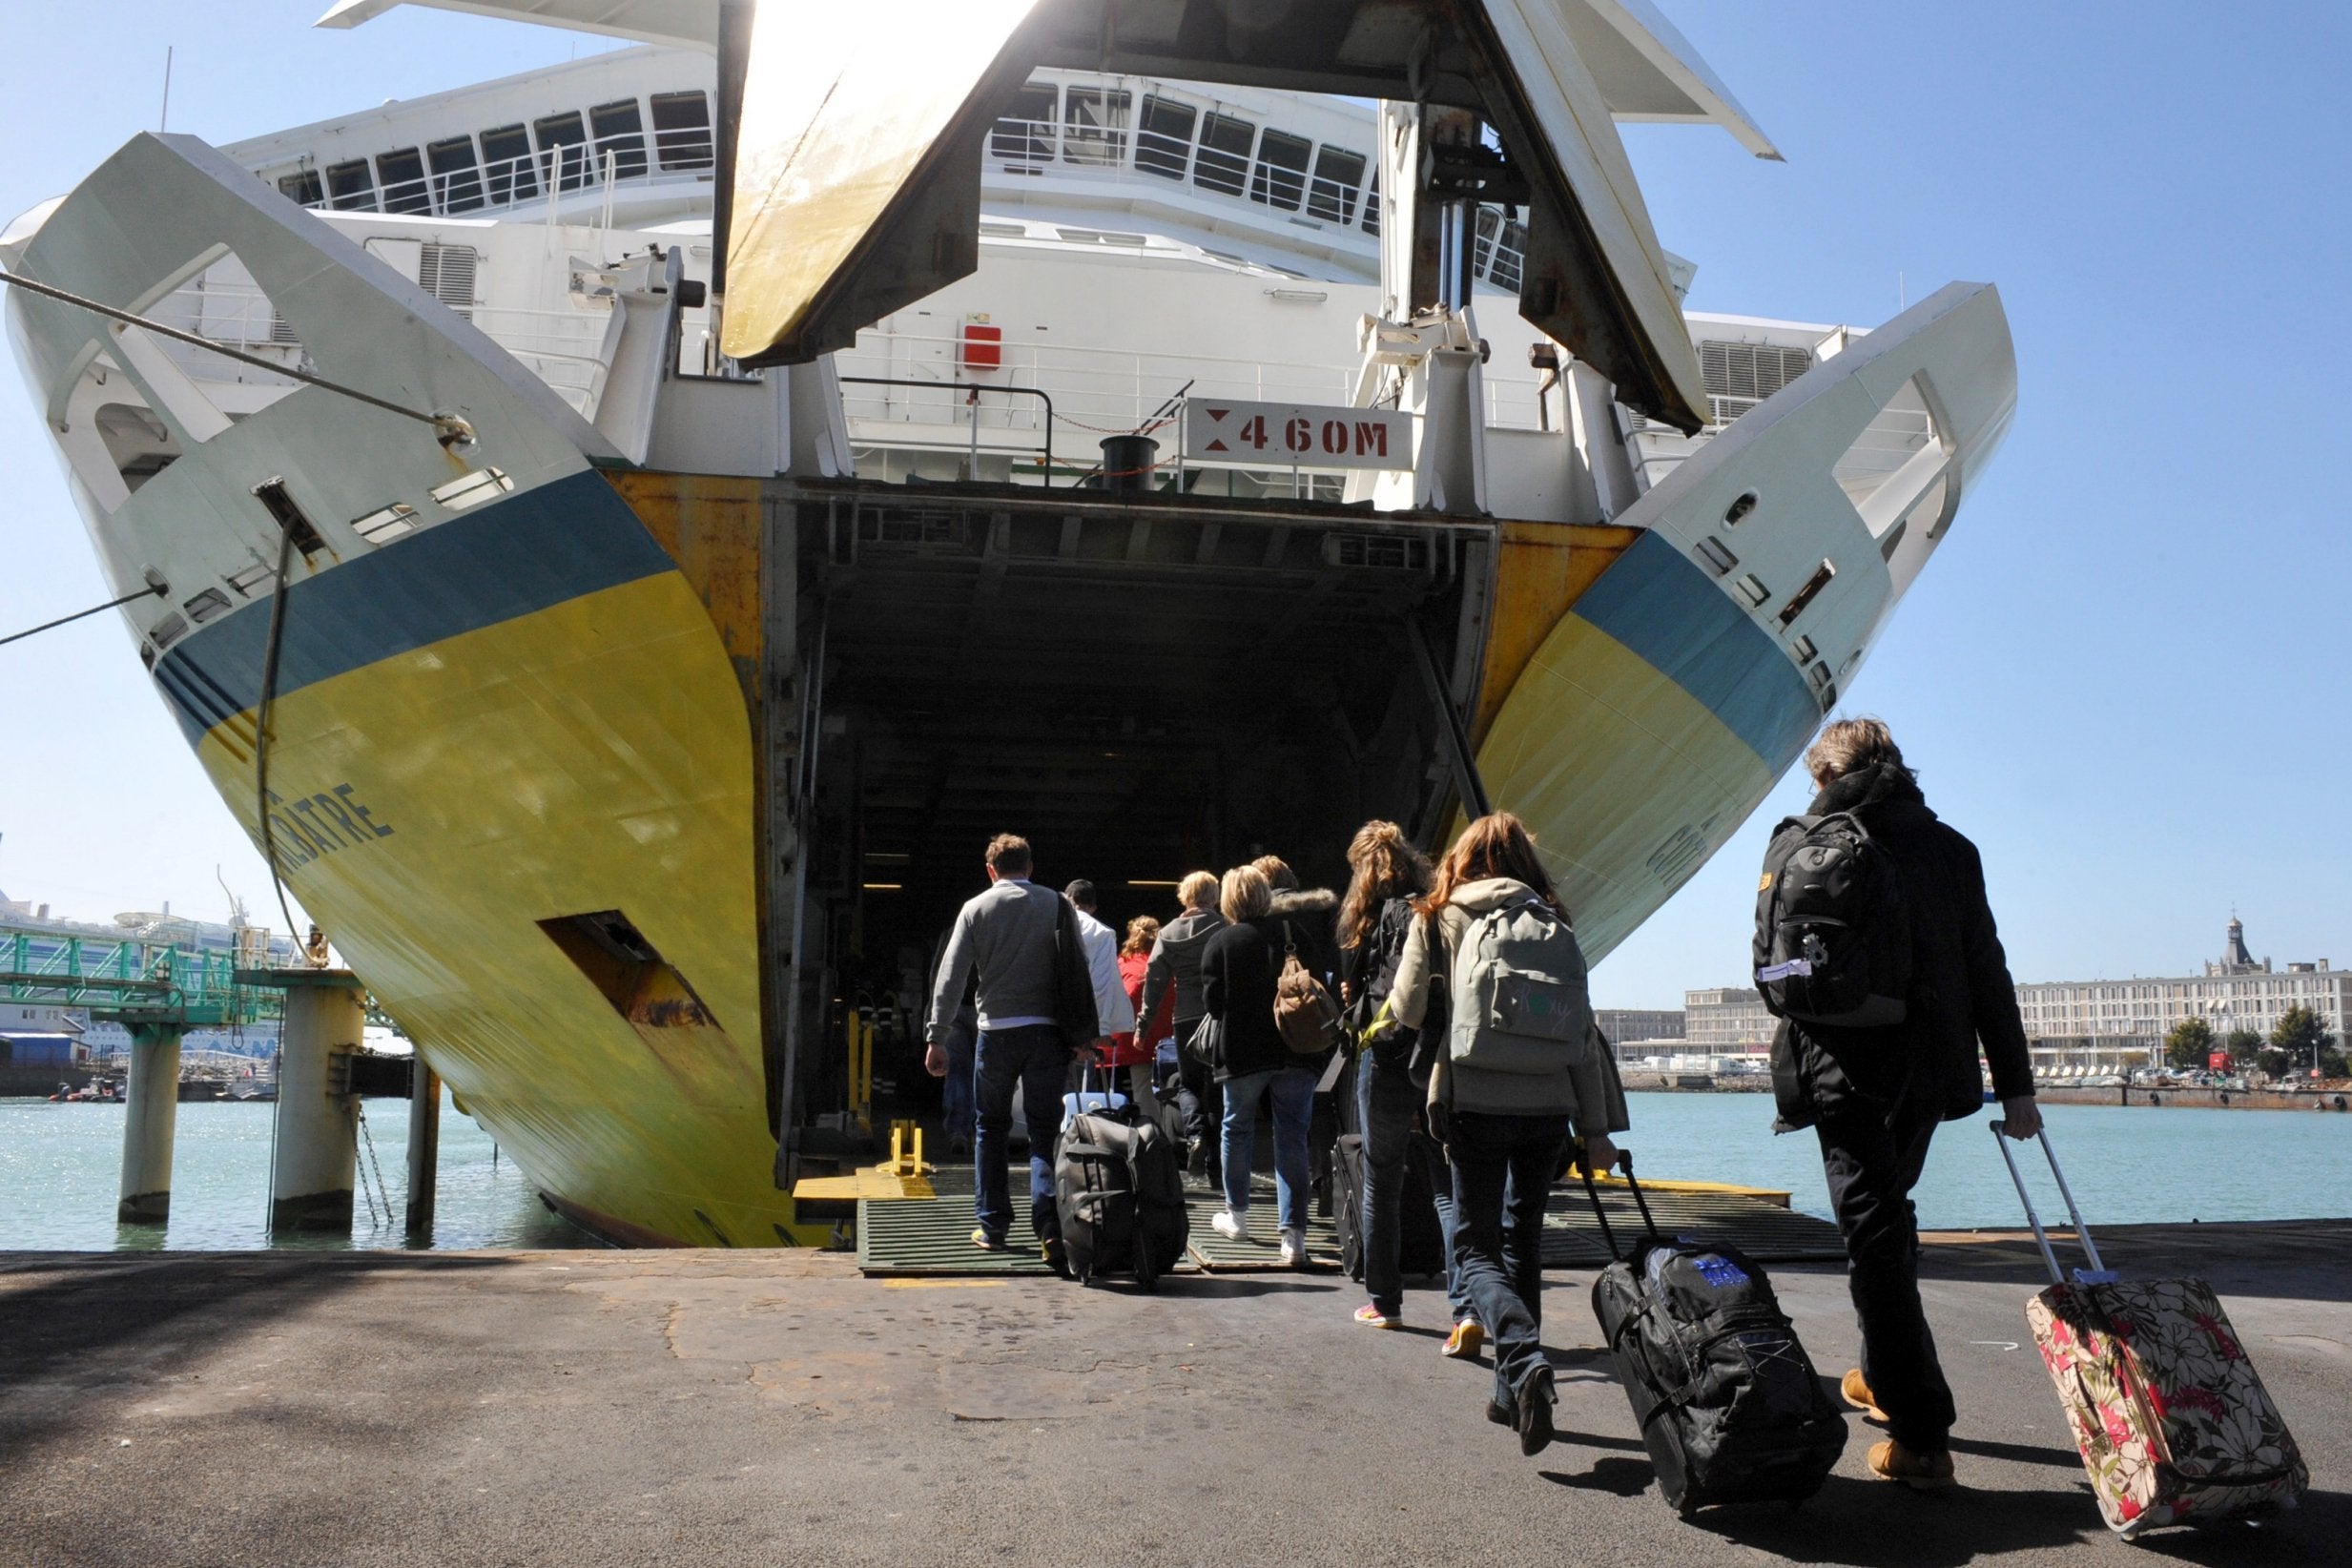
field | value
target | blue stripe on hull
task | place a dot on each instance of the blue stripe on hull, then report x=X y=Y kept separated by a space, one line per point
x=567 y=538
x=1662 y=607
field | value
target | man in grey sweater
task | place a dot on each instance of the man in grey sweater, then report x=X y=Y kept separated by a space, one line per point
x=1005 y=935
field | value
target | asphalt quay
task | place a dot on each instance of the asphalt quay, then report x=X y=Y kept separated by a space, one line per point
x=713 y=1406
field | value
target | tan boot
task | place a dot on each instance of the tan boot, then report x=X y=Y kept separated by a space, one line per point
x=1858 y=1394
x=1890 y=1461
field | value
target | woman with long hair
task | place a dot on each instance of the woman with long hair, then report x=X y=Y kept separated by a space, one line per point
x=1387 y=873
x=1239 y=969
x=1504 y=1131
x=1137 y=1050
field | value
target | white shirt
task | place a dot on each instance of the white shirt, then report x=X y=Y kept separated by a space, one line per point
x=1114 y=1012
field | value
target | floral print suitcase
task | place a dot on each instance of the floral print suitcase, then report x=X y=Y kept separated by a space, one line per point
x=2173 y=1424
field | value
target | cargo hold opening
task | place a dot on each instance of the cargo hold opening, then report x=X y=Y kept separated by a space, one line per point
x=1142 y=687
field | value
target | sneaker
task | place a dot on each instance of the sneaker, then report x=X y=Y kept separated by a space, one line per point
x=1501 y=1414
x=1057 y=1257
x=1372 y=1317
x=1858 y=1394
x=1466 y=1340
x=960 y=1148
x=986 y=1243
x=1230 y=1226
x=1294 y=1249
x=1534 y=1417
x=1890 y=1461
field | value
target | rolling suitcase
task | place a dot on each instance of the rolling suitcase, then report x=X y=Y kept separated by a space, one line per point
x=1118 y=1191
x=1726 y=1398
x=1420 y=1243
x=2173 y=1424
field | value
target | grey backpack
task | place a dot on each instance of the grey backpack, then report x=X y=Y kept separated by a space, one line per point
x=1521 y=1001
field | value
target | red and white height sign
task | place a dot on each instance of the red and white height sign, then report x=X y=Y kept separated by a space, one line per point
x=1297 y=435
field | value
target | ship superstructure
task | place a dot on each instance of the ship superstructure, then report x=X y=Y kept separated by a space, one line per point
x=632 y=709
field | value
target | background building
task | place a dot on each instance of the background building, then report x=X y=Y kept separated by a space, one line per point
x=1621 y=1024
x=1727 y=1021
x=2102 y=1022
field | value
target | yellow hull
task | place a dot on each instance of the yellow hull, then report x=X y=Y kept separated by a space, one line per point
x=590 y=755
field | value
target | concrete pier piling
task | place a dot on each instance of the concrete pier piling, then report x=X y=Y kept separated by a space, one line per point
x=424 y=1149
x=150 y=1117
x=317 y=1160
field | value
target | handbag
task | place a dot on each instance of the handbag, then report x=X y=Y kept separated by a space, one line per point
x=1305 y=1015
x=1207 y=1046
x=1074 y=1013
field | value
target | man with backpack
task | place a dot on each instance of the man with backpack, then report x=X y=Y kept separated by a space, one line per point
x=1876 y=947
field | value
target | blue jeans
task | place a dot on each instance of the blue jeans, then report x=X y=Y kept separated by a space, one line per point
x=1035 y=1058
x=1503 y=1176
x=957 y=1089
x=1293 y=1091
x=1387 y=1098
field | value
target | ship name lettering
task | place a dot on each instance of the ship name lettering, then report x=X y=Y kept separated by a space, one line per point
x=312 y=827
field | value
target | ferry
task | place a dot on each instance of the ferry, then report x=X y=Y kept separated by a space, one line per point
x=620 y=538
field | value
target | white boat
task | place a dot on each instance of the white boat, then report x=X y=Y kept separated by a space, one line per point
x=684 y=531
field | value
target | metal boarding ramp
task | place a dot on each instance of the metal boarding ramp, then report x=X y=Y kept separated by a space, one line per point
x=898 y=1236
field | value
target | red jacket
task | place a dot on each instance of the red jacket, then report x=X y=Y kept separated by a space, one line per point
x=1140 y=1046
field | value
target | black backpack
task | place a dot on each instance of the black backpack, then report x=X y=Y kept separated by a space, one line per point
x=1396 y=1044
x=1833 y=934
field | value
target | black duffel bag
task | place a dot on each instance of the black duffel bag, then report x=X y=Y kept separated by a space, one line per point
x=1728 y=1404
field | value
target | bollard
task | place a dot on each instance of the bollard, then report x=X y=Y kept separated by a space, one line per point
x=317 y=1150
x=423 y=1149
x=149 y=1123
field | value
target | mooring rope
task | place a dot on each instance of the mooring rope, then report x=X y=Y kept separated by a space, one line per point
x=447 y=428
x=152 y=591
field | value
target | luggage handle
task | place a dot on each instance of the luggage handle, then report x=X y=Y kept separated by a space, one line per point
x=2098 y=1273
x=1624 y=1165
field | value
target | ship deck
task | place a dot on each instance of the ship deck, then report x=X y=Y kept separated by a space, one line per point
x=712 y=1406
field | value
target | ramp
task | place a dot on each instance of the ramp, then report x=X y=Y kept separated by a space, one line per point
x=933 y=1235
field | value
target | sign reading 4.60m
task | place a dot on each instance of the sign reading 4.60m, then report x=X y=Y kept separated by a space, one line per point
x=1297 y=435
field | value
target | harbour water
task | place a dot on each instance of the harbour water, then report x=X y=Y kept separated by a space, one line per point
x=59 y=1164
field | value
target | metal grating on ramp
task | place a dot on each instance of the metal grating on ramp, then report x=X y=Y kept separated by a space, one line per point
x=933 y=1236
x=1765 y=1231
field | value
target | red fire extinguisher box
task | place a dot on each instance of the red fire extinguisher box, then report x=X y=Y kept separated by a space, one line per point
x=983 y=346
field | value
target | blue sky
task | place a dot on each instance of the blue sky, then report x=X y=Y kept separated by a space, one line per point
x=2121 y=673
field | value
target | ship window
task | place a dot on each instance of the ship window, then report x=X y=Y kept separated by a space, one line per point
x=304 y=189
x=1224 y=160
x=1094 y=126
x=506 y=154
x=472 y=489
x=563 y=150
x=681 y=130
x=206 y=604
x=1280 y=179
x=401 y=173
x=1339 y=174
x=386 y=524
x=1026 y=135
x=139 y=443
x=457 y=178
x=620 y=138
x=1164 y=140
x=351 y=187
x=1806 y=595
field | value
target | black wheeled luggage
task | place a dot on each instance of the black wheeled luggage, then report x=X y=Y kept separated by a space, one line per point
x=1420 y=1243
x=1728 y=1404
x=1119 y=1192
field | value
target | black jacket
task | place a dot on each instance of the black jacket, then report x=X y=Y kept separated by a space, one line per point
x=1238 y=971
x=1961 y=992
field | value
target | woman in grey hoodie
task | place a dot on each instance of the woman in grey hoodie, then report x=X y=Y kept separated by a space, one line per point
x=1504 y=1132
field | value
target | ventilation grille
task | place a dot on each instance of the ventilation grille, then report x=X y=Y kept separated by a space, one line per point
x=446 y=272
x=1750 y=370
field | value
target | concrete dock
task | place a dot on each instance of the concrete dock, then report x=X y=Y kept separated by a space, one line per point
x=711 y=1407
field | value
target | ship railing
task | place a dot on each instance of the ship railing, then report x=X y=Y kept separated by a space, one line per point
x=972 y=393
x=1095 y=391
x=494 y=184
